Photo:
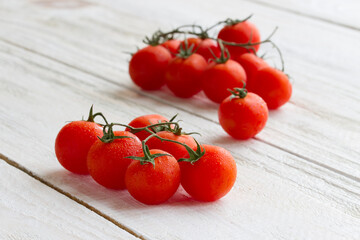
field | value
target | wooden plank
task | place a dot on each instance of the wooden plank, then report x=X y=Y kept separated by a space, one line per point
x=330 y=128
x=342 y=13
x=276 y=196
x=30 y=210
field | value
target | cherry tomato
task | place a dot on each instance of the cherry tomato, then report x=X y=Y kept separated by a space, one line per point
x=251 y=64
x=153 y=185
x=243 y=118
x=172 y=45
x=211 y=177
x=192 y=42
x=174 y=149
x=107 y=163
x=273 y=86
x=147 y=67
x=144 y=121
x=217 y=78
x=73 y=142
x=183 y=75
x=242 y=32
x=202 y=47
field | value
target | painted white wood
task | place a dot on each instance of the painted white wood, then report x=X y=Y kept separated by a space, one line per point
x=276 y=196
x=32 y=211
x=344 y=13
x=299 y=179
x=323 y=114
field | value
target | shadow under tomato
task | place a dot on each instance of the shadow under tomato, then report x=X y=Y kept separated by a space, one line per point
x=86 y=189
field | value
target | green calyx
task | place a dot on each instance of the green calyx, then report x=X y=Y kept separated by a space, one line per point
x=193 y=155
x=231 y=22
x=91 y=117
x=175 y=128
x=156 y=39
x=185 y=50
x=171 y=126
x=224 y=56
x=239 y=92
x=108 y=134
x=148 y=157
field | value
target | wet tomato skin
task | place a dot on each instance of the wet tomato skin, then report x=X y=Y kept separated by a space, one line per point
x=251 y=64
x=153 y=185
x=242 y=32
x=219 y=77
x=204 y=47
x=107 y=162
x=183 y=75
x=211 y=177
x=147 y=67
x=73 y=142
x=172 y=45
x=273 y=86
x=176 y=150
x=144 y=121
x=243 y=118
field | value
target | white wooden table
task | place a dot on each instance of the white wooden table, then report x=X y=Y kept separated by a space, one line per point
x=298 y=179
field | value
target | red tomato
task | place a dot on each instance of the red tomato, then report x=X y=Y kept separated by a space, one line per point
x=172 y=45
x=174 y=149
x=211 y=177
x=107 y=163
x=73 y=142
x=217 y=78
x=251 y=64
x=273 y=86
x=243 y=118
x=147 y=67
x=242 y=32
x=202 y=47
x=144 y=121
x=183 y=75
x=192 y=42
x=153 y=185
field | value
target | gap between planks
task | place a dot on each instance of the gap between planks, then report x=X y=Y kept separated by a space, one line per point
x=307 y=159
x=77 y=200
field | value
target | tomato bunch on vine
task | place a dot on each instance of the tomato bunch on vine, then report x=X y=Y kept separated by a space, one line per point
x=188 y=60
x=150 y=158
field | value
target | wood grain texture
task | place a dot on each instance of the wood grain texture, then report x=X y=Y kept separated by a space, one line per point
x=341 y=13
x=299 y=179
x=318 y=117
x=263 y=203
x=32 y=211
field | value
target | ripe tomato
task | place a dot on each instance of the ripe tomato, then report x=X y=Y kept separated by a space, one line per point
x=107 y=163
x=144 y=121
x=202 y=46
x=211 y=177
x=217 y=78
x=251 y=64
x=192 y=42
x=73 y=142
x=273 y=86
x=243 y=118
x=174 y=149
x=242 y=32
x=153 y=185
x=172 y=45
x=147 y=67
x=183 y=75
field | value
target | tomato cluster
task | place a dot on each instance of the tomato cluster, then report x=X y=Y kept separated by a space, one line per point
x=150 y=158
x=215 y=66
